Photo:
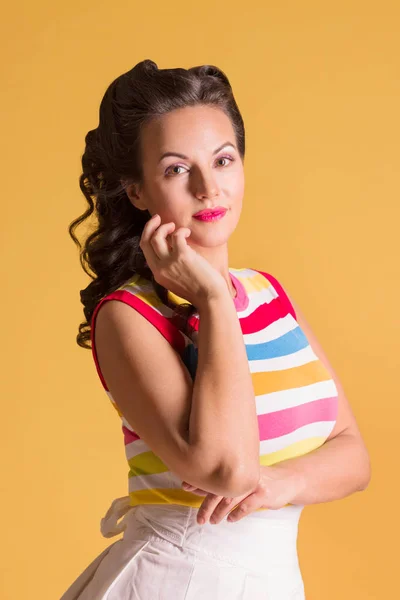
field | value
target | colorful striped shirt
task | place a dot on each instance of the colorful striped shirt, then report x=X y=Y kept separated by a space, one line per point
x=296 y=398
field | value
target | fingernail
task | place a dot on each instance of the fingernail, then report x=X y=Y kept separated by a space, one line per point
x=201 y=520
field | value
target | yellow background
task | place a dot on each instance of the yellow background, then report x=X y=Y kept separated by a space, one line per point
x=318 y=87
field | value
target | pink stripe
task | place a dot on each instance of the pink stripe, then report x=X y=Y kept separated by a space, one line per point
x=282 y=422
x=129 y=436
x=241 y=300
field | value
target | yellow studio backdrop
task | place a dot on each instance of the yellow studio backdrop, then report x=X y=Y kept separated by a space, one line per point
x=318 y=87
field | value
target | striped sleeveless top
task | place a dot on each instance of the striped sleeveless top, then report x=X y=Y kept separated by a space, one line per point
x=295 y=396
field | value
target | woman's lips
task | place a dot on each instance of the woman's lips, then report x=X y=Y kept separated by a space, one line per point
x=211 y=215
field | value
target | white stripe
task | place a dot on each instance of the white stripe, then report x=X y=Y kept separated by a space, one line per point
x=158 y=480
x=135 y=448
x=273 y=401
x=126 y=424
x=245 y=272
x=280 y=363
x=272 y=331
x=320 y=428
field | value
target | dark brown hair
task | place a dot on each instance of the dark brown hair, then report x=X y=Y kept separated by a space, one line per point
x=112 y=155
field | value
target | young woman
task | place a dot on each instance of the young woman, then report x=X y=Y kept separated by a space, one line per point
x=209 y=367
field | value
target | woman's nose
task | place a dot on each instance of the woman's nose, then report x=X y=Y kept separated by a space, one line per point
x=206 y=186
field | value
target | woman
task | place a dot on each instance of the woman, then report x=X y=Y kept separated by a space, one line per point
x=212 y=372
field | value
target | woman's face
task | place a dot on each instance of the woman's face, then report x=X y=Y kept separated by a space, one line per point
x=176 y=188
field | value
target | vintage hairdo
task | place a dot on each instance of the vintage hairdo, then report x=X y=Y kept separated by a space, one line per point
x=112 y=158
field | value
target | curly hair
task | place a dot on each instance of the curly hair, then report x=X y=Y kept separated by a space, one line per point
x=112 y=157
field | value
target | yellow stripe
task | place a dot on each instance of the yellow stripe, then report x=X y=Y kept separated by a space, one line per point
x=146 y=463
x=255 y=283
x=149 y=298
x=294 y=377
x=132 y=281
x=177 y=299
x=297 y=449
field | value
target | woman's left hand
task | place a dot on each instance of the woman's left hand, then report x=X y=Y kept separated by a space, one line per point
x=275 y=489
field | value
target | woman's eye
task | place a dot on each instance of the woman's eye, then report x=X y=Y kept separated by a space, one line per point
x=229 y=158
x=168 y=171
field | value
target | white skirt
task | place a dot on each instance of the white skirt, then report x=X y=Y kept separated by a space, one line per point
x=165 y=554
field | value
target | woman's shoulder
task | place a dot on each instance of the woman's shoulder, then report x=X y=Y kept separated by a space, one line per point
x=138 y=292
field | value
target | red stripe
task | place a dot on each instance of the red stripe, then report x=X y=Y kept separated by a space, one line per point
x=163 y=324
x=129 y=436
x=92 y=337
x=282 y=422
x=262 y=316
x=286 y=304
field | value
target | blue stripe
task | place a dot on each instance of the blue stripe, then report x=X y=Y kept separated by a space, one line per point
x=290 y=342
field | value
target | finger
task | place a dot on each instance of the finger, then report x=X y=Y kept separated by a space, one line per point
x=179 y=239
x=144 y=243
x=159 y=242
x=195 y=490
x=207 y=508
x=187 y=485
x=222 y=509
x=247 y=506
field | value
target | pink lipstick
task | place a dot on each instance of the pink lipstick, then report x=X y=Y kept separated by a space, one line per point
x=210 y=214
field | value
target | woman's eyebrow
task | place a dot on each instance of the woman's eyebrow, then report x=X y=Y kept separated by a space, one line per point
x=186 y=157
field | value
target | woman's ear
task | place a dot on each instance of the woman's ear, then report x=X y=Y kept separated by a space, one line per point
x=131 y=190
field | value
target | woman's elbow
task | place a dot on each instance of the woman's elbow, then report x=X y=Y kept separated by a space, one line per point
x=238 y=482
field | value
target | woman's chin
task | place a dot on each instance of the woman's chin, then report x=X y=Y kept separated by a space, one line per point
x=211 y=239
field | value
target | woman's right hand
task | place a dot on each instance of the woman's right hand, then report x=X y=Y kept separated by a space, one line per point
x=175 y=265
